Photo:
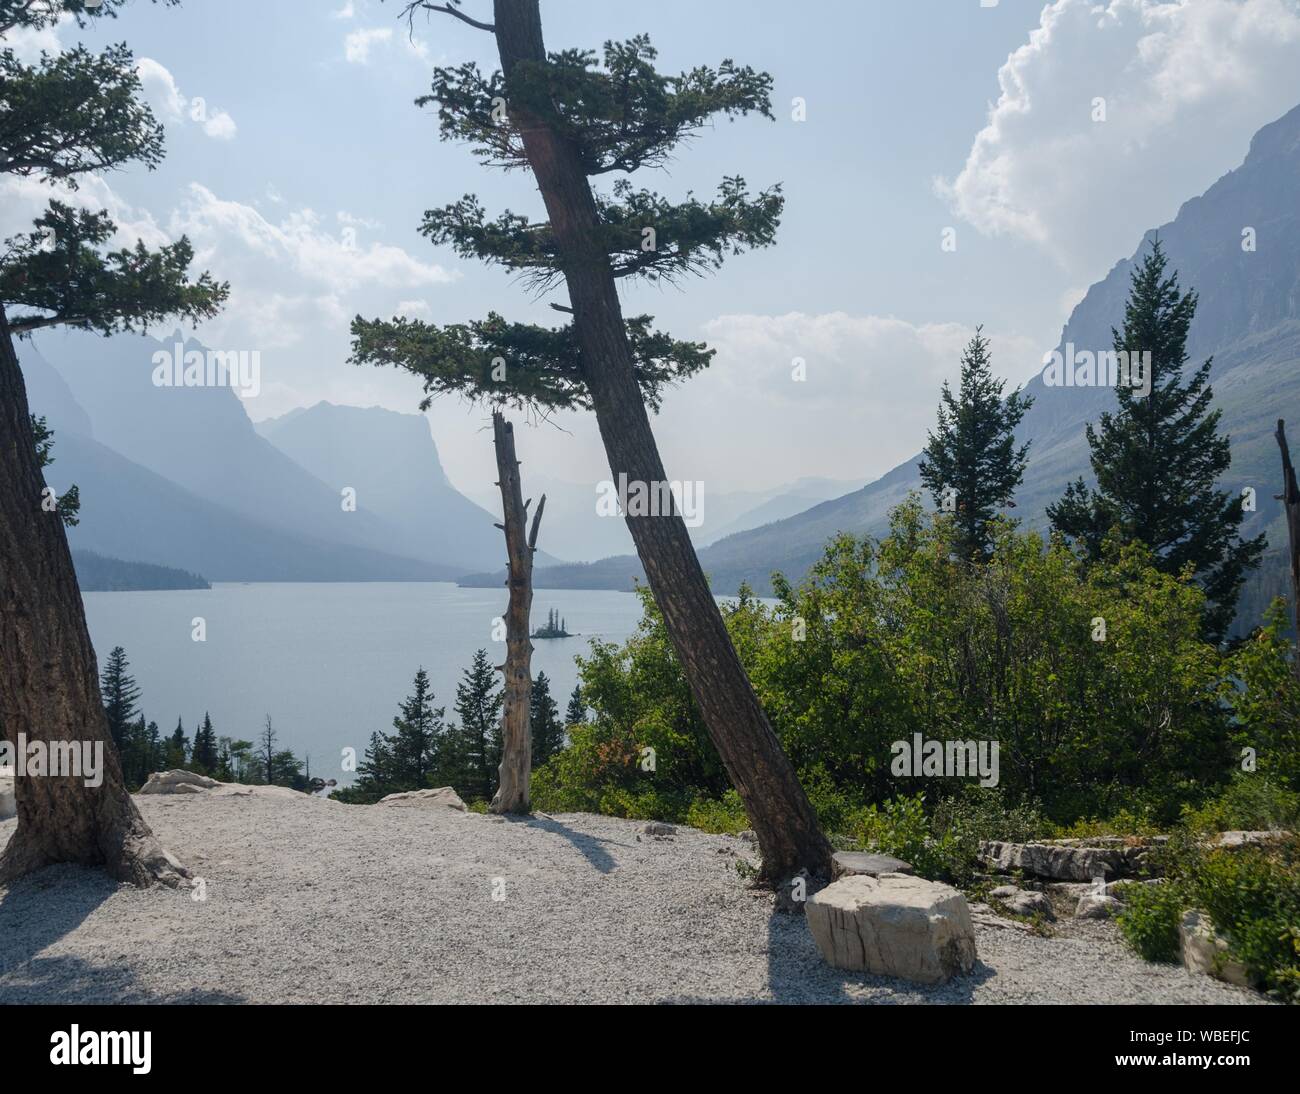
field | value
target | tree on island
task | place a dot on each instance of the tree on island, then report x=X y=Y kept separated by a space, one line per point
x=67 y=116
x=971 y=464
x=1158 y=459
x=569 y=117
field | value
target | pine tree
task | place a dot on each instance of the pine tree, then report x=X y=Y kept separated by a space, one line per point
x=266 y=751
x=544 y=718
x=1159 y=457
x=204 y=757
x=971 y=465
x=577 y=712
x=177 y=746
x=120 y=696
x=570 y=116
x=472 y=748
x=69 y=116
x=418 y=737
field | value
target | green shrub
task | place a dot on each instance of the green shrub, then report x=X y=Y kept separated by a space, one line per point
x=1253 y=801
x=1252 y=896
x=1151 y=918
x=725 y=816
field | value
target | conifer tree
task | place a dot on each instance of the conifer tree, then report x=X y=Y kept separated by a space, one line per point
x=177 y=746
x=1158 y=458
x=577 y=711
x=204 y=756
x=570 y=117
x=472 y=750
x=971 y=464
x=544 y=718
x=120 y=694
x=67 y=116
x=415 y=744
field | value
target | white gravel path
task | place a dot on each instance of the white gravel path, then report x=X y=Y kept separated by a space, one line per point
x=311 y=901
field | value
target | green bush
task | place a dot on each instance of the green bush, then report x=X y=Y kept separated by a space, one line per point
x=1150 y=919
x=1253 y=801
x=725 y=816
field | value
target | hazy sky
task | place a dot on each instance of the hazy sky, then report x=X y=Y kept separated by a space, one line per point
x=300 y=168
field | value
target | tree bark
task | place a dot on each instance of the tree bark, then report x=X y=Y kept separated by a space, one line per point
x=49 y=685
x=789 y=836
x=516 y=730
x=1290 y=498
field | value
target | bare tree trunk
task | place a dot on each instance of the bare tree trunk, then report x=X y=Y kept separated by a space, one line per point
x=784 y=821
x=49 y=686
x=1290 y=498
x=516 y=730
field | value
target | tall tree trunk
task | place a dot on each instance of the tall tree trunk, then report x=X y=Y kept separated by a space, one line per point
x=49 y=686
x=1290 y=498
x=784 y=821
x=516 y=732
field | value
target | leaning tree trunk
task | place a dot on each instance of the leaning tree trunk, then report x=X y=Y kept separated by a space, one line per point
x=789 y=836
x=49 y=689
x=1290 y=498
x=516 y=730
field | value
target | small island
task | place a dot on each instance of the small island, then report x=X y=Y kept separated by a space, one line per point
x=554 y=628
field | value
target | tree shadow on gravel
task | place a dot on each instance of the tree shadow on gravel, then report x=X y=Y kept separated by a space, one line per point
x=796 y=973
x=46 y=907
x=590 y=846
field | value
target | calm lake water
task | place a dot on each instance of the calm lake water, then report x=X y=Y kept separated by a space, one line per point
x=328 y=662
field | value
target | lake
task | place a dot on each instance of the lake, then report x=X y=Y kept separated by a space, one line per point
x=328 y=662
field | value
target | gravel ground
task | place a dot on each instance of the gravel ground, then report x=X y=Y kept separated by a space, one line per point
x=311 y=901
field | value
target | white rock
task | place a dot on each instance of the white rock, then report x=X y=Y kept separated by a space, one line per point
x=1097 y=906
x=893 y=925
x=442 y=795
x=1206 y=951
x=1023 y=902
x=659 y=828
x=1053 y=860
x=177 y=781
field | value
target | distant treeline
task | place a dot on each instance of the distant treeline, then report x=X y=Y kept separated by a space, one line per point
x=101 y=574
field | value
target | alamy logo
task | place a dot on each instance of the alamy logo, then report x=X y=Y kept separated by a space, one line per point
x=55 y=759
x=655 y=499
x=954 y=759
x=78 y=1046
x=1105 y=368
x=237 y=369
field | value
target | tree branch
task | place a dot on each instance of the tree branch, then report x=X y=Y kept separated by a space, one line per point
x=448 y=10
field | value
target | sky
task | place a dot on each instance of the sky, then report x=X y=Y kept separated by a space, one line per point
x=958 y=162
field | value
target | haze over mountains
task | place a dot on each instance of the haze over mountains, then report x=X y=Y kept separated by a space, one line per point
x=1248 y=319
x=179 y=476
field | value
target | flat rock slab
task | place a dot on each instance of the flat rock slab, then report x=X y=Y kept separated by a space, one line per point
x=177 y=781
x=443 y=795
x=893 y=925
x=850 y=863
x=1050 y=860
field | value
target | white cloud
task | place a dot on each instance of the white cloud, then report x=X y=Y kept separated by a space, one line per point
x=412 y=308
x=299 y=244
x=24 y=199
x=357 y=45
x=347 y=11
x=1185 y=85
x=165 y=97
x=872 y=387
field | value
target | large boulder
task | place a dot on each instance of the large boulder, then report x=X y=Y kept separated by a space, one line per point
x=441 y=796
x=1097 y=905
x=1206 y=951
x=177 y=782
x=893 y=925
x=8 y=801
